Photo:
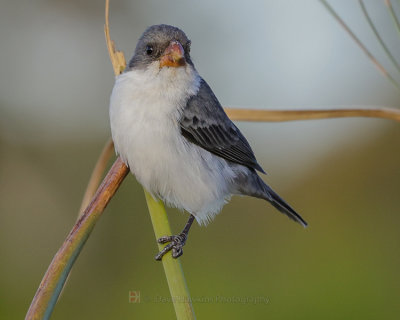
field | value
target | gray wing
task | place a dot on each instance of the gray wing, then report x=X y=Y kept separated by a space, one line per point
x=205 y=124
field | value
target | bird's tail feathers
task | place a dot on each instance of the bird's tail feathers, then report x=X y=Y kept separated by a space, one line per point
x=282 y=205
x=258 y=188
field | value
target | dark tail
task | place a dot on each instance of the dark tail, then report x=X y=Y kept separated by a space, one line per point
x=253 y=185
x=282 y=206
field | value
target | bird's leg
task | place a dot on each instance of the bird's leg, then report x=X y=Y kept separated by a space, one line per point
x=176 y=242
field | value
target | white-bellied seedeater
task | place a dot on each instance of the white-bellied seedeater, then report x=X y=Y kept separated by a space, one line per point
x=172 y=133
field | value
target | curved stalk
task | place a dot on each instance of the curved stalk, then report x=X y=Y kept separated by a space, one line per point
x=53 y=281
x=96 y=175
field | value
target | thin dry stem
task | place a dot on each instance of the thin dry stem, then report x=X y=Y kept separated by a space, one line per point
x=293 y=115
x=117 y=57
x=97 y=174
x=393 y=15
x=118 y=62
x=360 y=44
x=377 y=35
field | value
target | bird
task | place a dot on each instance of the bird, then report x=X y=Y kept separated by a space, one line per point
x=172 y=132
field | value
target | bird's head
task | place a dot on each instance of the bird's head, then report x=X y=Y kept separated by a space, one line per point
x=164 y=45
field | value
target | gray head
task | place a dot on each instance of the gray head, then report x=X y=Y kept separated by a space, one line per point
x=164 y=43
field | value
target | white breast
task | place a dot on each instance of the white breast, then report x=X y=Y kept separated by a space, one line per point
x=145 y=109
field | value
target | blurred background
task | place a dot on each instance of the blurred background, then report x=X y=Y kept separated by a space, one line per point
x=342 y=175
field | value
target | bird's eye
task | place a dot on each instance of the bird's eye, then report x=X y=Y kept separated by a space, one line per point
x=149 y=50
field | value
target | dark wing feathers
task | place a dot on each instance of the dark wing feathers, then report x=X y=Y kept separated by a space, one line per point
x=205 y=124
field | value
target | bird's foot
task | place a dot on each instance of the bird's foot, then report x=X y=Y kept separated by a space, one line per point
x=175 y=244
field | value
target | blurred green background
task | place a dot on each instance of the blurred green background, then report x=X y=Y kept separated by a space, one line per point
x=342 y=175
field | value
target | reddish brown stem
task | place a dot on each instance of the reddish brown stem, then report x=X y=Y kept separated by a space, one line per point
x=54 y=279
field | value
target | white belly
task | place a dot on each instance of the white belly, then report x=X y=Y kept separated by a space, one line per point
x=147 y=136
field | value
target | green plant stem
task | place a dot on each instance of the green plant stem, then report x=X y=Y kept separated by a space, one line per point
x=53 y=281
x=377 y=35
x=172 y=267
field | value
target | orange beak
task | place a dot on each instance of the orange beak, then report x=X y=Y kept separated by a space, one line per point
x=173 y=56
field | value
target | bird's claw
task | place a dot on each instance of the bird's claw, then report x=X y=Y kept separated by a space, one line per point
x=175 y=244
